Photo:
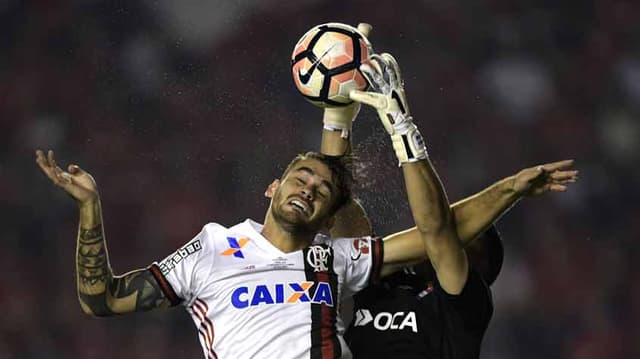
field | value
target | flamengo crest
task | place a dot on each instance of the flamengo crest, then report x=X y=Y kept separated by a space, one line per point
x=317 y=257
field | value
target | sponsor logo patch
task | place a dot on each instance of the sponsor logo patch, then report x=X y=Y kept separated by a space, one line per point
x=172 y=261
x=235 y=246
x=384 y=321
x=360 y=247
x=282 y=293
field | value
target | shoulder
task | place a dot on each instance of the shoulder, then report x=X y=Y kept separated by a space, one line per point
x=354 y=245
x=474 y=304
x=211 y=236
x=212 y=229
x=475 y=290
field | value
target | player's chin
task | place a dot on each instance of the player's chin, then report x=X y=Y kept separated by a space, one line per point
x=299 y=222
x=297 y=212
x=293 y=217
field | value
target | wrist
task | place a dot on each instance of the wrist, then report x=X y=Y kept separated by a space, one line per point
x=89 y=203
x=90 y=213
x=509 y=188
x=403 y=125
x=409 y=144
x=334 y=144
x=340 y=118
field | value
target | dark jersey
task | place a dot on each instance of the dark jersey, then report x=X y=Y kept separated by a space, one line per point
x=406 y=317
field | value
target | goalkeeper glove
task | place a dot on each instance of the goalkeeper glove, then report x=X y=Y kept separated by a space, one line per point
x=388 y=98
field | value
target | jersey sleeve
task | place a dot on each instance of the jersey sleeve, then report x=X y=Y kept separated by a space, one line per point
x=182 y=274
x=361 y=259
x=473 y=305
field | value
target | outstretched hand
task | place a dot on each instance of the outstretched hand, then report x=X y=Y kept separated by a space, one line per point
x=76 y=182
x=549 y=177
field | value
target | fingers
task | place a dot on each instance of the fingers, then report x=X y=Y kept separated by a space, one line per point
x=365 y=29
x=382 y=70
x=393 y=68
x=564 y=175
x=394 y=80
x=385 y=72
x=59 y=173
x=49 y=166
x=51 y=158
x=45 y=166
x=372 y=76
x=378 y=62
x=368 y=98
x=555 y=187
x=554 y=172
x=554 y=166
x=40 y=160
x=74 y=169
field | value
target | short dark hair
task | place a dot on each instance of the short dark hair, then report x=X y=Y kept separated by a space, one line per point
x=341 y=170
x=486 y=254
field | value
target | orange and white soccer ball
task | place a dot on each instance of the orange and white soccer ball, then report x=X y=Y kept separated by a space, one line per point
x=325 y=64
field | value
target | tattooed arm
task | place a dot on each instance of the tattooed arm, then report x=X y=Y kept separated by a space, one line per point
x=99 y=291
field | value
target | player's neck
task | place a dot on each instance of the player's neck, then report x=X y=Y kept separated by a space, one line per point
x=284 y=239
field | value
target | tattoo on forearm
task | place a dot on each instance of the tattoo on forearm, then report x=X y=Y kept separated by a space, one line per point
x=91 y=261
x=104 y=294
x=91 y=236
x=133 y=292
x=141 y=285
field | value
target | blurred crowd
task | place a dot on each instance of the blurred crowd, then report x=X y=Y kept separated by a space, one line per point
x=184 y=111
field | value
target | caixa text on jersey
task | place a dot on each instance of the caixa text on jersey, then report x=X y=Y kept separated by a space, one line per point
x=282 y=293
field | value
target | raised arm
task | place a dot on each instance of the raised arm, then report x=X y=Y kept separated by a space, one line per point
x=427 y=199
x=474 y=214
x=351 y=220
x=100 y=292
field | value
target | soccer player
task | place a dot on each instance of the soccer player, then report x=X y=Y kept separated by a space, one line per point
x=277 y=283
x=411 y=313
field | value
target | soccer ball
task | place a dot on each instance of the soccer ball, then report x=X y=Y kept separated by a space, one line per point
x=325 y=64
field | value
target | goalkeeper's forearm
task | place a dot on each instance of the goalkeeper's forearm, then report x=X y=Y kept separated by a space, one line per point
x=427 y=198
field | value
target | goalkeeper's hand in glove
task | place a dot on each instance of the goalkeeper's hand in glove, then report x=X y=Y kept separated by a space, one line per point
x=387 y=96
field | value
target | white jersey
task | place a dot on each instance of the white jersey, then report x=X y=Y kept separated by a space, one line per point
x=248 y=299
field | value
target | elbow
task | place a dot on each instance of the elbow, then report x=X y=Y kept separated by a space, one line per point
x=436 y=222
x=95 y=311
x=438 y=228
x=98 y=314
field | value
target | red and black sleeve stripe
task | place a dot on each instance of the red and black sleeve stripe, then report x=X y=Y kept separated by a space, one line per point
x=377 y=257
x=164 y=285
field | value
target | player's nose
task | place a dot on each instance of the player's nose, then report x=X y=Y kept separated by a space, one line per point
x=307 y=193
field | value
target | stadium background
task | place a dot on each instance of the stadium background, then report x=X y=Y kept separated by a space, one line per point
x=185 y=110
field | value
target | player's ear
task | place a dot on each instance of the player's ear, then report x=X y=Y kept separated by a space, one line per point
x=272 y=188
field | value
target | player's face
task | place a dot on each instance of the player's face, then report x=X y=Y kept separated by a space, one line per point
x=305 y=196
